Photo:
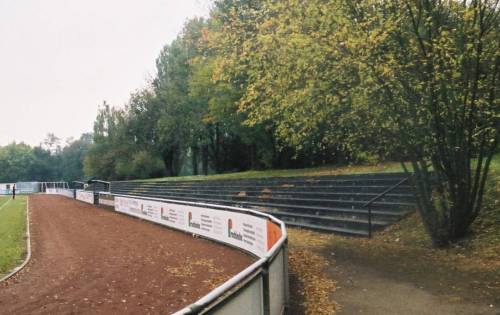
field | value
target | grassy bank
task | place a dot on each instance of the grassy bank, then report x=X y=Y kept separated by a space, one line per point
x=483 y=241
x=387 y=167
x=12 y=232
x=314 y=171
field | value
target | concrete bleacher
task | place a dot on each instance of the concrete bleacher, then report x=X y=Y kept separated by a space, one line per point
x=97 y=187
x=329 y=203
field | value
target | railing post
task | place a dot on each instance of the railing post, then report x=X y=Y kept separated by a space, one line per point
x=266 y=292
x=370 y=221
x=286 y=276
x=382 y=194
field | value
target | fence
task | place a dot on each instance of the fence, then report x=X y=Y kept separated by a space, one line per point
x=21 y=188
x=85 y=196
x=61 y=191
x=262 y=288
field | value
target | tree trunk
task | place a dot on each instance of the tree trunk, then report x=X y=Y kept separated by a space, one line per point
x=194 y=159
x=204 y=159
x=169 y=159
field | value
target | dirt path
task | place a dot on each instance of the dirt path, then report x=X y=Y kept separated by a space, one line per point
x=379 y=286
x=88 y=260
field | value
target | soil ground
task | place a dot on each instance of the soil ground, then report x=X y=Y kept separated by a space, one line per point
x=377 y=277
x=93 y=261
x=400 y=272
x=407 y=285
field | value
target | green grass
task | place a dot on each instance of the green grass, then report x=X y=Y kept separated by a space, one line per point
x=314 y=171
x=388 y=167
x=12 y=232
x=495 y=164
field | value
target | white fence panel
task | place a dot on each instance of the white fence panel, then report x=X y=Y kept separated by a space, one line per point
x=85 y=196
x=238 y=229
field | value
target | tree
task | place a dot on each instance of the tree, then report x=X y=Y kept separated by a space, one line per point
x=15 y=162
x=111 y=144
x=180 y=123
x=296 y=86
x=431 y=69
x=52 y=143
x=72 y=157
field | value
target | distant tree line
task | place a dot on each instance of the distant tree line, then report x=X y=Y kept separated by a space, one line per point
x=49 y=161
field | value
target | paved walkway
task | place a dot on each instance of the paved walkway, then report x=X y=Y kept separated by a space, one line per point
x=380 y=288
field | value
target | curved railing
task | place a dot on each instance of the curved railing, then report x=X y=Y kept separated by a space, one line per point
x=262 y=288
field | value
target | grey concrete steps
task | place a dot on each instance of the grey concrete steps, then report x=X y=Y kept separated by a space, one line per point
x=333 y=219
x=289 y=193
x=204 y=185
x=319 y=227
x=309 y=189
x=387 y=214
x=383 y=179
x=272 y=199
x=331 y=203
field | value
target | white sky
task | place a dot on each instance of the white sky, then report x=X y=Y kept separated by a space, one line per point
x=59 y=59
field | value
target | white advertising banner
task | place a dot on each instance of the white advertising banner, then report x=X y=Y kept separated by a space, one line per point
x=60 y=191
x=238 y=229
x=65 y=192
x=85 y=196
x=106 y=200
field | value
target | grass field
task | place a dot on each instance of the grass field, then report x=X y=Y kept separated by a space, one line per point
x=12 y=232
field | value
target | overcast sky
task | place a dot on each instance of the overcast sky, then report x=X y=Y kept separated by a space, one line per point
x=59 y=59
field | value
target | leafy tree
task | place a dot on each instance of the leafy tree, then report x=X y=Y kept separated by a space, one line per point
x=52 y=143
x=431 y=69
x=44 y=166
x=142 y=164
x=15 y=161
x=110 y=144
x=72 y=157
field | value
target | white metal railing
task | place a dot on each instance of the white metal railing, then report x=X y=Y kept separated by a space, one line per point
x=262 y=288
x=85 y=196
x=61 y=191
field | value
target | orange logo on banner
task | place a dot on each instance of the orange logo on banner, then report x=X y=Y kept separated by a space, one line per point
x=273 y=234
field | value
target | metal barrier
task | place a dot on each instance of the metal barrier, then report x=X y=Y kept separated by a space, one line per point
x=262 y=288
x=61 y=191
x=21 y=188
x=370 y=202
x=85 y=196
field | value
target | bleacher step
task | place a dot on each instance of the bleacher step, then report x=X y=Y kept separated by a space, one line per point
x=328 y=203
x=344 y=231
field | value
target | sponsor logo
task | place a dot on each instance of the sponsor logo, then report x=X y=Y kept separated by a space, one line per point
x=163 y=215
x=192 y=223
x=231 y=233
